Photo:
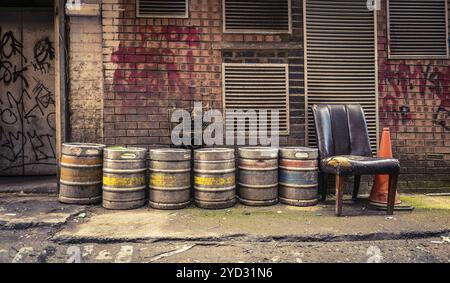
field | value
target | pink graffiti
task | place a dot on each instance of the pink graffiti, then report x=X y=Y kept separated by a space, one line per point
x=397 y=83
x=163 y=69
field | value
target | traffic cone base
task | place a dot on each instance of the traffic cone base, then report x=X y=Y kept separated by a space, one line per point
x=403 y=206
x=380 y=187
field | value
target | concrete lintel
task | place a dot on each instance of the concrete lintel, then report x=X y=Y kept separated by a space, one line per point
x=83 y=10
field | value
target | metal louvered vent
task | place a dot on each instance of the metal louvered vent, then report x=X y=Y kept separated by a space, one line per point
x=340 y=59
x=162 y=8
x=418 y=28
x=268 y=16
x=256 y=87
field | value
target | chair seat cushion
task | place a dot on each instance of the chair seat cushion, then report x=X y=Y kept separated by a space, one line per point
x=359 y=165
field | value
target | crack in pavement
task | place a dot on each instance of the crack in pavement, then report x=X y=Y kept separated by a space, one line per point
x=242 y=237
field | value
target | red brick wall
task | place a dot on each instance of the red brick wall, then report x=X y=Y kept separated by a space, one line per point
x=420 y=133
x=154 y=65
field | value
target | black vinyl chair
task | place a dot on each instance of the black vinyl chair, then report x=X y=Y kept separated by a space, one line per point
x=344 y=149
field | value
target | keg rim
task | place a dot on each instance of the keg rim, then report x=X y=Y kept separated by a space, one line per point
x=169 y=150
x=302 y=148
x=215 y=150
x=124 y=149
x=258 y=152
x=170 y=154
x=258 y=148
x=299 y=153
x=83 y=145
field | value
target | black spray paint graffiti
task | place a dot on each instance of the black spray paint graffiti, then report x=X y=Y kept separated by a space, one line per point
x=12 y=145
x=10 y=46
x=43 y=99
x=26 y=116
x=10 y=74
x=18 y=113
x=43 y=53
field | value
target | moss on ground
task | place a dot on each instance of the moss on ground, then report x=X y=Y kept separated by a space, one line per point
x=427 y=202
x=245 y=212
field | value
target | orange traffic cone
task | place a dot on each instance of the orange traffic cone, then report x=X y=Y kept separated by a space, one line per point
x=378 y=195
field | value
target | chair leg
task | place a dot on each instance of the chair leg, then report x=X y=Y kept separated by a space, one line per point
x=339 y=194
x=356 y=185
x=323 y=185
x=391 y=193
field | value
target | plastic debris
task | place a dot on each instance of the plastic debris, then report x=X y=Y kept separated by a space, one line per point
x=82 y=215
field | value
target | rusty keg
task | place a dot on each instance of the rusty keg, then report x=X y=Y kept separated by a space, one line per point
x=298 y=182
x=214 y=178
x=124 y=177
x=258 y=176
x=170 y=178
x=81 y=173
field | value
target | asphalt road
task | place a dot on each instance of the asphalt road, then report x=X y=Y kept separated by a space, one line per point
x=34 y=245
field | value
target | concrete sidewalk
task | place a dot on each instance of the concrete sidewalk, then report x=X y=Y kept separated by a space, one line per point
x=28 y=184
x=23 y=211
x=77 y=224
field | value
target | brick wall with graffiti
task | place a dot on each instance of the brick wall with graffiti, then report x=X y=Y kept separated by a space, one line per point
x=414 y=102
x=155 y=65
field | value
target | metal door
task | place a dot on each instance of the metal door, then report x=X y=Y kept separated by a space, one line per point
x=27 y=102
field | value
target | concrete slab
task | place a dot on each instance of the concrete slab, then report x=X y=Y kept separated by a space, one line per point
x=28 y=184
x=280 y=222
x=25 y=211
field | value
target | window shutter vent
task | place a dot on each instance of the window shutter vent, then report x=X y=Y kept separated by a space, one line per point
x=162 y=8
x=417 y=28
x=341 y=59
x=257 y=16
x=257 y=87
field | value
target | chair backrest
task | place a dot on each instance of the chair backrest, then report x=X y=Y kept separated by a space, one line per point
x=341 y=130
